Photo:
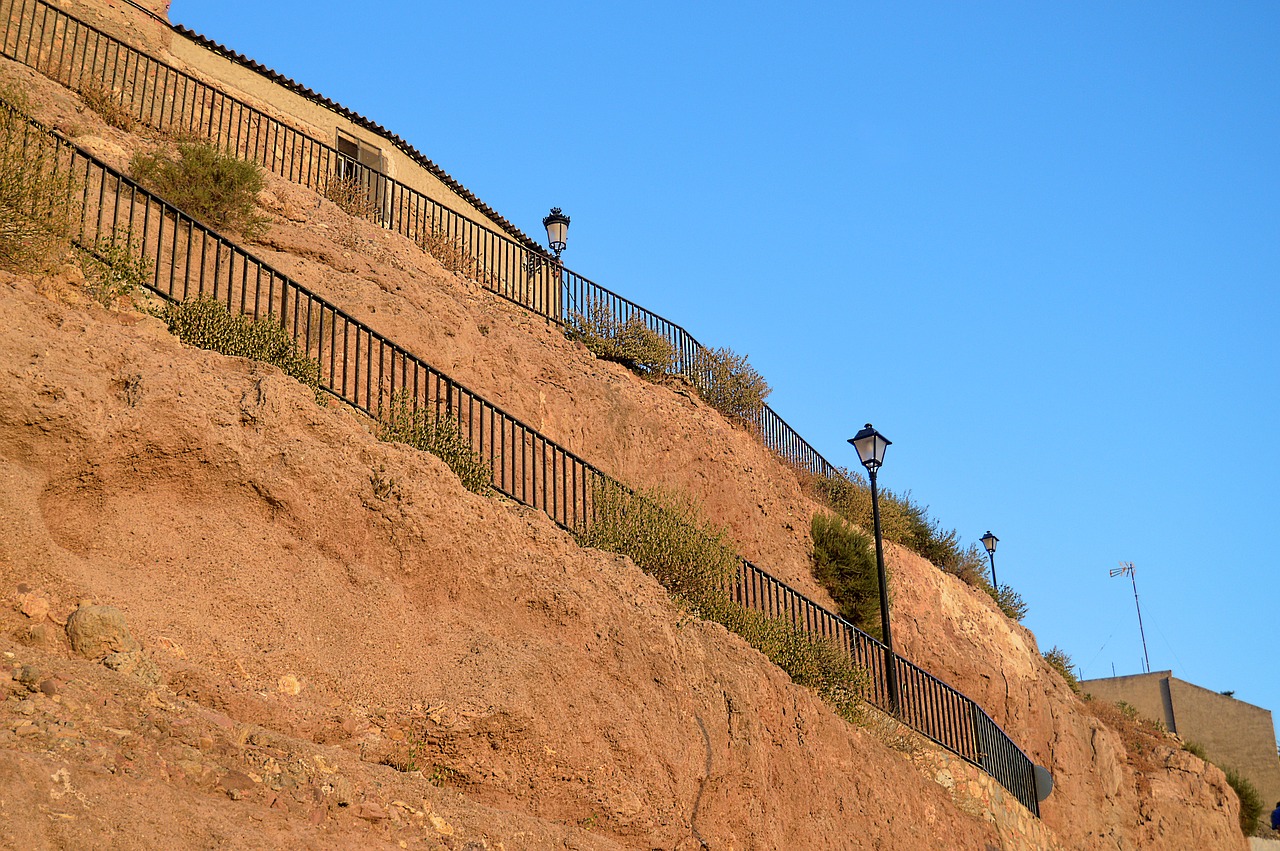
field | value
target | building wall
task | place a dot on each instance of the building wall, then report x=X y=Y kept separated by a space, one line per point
x=1234 y=734
x=1146 y=693
x=1240 y=732
x=319 y=120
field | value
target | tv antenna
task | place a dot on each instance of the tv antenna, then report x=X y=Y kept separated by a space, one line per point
x=1126 y=568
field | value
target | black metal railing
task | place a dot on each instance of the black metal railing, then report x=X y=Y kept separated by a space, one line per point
x=160 y=96
x=372 y=374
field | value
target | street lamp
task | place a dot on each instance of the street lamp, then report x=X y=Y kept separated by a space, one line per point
x=557 y=225
x=871 y=445
x=989 y=541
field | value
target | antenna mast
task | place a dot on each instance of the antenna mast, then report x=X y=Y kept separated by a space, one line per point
x=1126 y=568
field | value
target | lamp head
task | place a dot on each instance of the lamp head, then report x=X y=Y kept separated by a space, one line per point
x=557 y=225
x=989 y=541
x=870 y=445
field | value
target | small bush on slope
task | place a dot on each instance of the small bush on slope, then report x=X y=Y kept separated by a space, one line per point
x=906 y=522
x=666 y=537
x=441 y=437
x=1250 y=801
x=452 y=254
x=205 y=182
x=728 y=383
x=113 y=269
x=208 y=324
x=106 y=104
x=631 y=343
x=844 y=561
x=1061 y=662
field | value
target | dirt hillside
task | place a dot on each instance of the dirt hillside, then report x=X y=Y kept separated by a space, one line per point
x=341 y=647
x=313 y=604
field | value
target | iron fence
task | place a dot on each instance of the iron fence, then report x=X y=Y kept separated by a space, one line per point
x=156 y=94
x=372 y=374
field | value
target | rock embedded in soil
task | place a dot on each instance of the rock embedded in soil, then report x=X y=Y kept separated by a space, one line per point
x=97 y=631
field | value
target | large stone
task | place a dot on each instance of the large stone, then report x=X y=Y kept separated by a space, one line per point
x=96 y=631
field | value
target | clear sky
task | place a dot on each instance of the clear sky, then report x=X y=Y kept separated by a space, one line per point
x=1037 y=245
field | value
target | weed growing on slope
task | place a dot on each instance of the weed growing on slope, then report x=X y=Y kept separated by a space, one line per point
x=631 y=343
x=1250 y=800
x=1009 y=601
x=106 y=104
x=351 y=197
x=1061 y=662
x=453 y=255
x=666 y=536
x=421 y=429
x=810 y=662
x=36 y=192
x=207 y=183
x=114 y=268
x=1251 y=805
x=208 y=324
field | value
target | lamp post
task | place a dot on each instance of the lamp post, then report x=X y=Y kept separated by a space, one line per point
x=557 y=225
x=989 y=541
x=871 y=445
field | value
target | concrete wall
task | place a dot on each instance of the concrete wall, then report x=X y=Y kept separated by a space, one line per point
x=1240 y=732
x=1234 y=734
x=1147 y=693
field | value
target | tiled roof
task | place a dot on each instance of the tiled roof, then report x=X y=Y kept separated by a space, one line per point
x=368 y=124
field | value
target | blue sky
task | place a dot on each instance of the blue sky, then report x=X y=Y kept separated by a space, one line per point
x=1037 y=245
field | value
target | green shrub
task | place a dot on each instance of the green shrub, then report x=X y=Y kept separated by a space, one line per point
x=906 y=522
x=631 y=343
x=208 y=324
x=809 y=661
x=1195 y=749
x=206 y=183
x=844 y=561
x=419 y=428
x=114 y=268
x=1060 y=661
x=666 y=537
x=1009 y=601
x=727 y=382
x=1250 y=800
x=36 y=192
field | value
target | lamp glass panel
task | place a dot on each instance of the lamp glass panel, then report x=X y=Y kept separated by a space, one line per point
x=556 y=231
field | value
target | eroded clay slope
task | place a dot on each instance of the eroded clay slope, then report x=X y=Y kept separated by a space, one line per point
x=546 y=696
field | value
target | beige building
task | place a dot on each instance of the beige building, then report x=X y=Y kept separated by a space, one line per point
x=175 y=80
x=1234 y=734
